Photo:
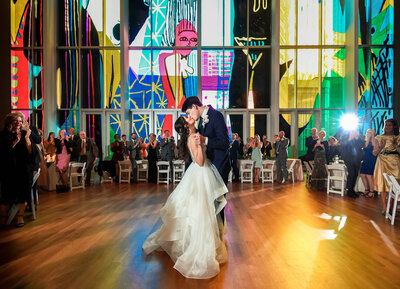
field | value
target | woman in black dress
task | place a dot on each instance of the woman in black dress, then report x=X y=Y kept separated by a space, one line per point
x=152 y=158
x=16 y=166
x=321 y=150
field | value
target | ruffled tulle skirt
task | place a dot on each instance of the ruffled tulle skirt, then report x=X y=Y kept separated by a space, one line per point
x=192 y=229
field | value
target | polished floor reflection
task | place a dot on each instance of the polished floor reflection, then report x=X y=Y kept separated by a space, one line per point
x=279 y=236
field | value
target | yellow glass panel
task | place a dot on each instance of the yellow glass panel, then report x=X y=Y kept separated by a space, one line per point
x=287 y=96
x=307 y=77
x=308 y=27
x=288 y=22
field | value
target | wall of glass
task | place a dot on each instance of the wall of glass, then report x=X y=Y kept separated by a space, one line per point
x=219 y=50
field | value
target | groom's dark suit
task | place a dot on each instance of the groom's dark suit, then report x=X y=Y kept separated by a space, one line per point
x=218 y=142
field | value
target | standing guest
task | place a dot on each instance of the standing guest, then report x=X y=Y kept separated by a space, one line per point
x=63 y=155
x=249 y=148
x=117 y=149
x=44 y=174
x=167 y=148
x=234 y=155
x=152 y=158
x=124 y=143
x=142 y=149
x=281 y=144
x=176 y=151
x=310 y=144
x=134 y=154
x=351 y=150
x=88 y=153
x=320 y=151
x=241 y=146
x=50 y=147
x=256 y=157
x=73 y=146
x=368 y=164
x=16 y=166
x=266 y=147
x=334 y=149
x=387 y=149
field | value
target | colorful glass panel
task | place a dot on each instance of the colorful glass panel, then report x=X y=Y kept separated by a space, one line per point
x=382 y=78
x=306 y=122
x=112 y=23
x=378 y=117
x=67 y=119
x=330 y=121
x=67 y=79
x=140 y=79
x=287 y=96
x=164 y=122
x=333 y=22
x=92 y=79
x=141 y=125
x=307 y=78
x=92 y=22
x=216 y=67
x=308 y=22
x=364 y=74
x=21 y=79
x=287 y=22
x=382 y=22
x=68 y=22
x=240 y=22
x=112 y=78
x=333 y=81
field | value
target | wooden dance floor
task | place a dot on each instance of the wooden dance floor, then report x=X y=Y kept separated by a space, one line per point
x=279 y=236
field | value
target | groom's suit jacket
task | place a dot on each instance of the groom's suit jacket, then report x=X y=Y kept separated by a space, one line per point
x=218 y=142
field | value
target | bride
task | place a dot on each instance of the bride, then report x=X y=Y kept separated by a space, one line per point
x=192 y=229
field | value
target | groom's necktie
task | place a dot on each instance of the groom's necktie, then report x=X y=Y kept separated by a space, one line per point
x=201 y=123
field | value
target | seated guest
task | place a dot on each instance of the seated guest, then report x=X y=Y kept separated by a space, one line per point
x=334 y=149
x=368 y=164
x=88 y=152
x=266 y=147
x=117 y=149
x=310 y=144
x=387 y=149
x=63 y=155
x=351 y=146
x=50 y=147
x=320 y=151
x=16 y=166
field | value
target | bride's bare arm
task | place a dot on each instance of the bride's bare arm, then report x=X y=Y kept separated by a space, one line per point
x=197 y=151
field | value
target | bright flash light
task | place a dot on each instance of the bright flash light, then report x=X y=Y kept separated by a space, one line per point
x=349 y=121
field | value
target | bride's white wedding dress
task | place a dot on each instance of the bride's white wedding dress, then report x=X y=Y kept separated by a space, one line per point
x=192 y=229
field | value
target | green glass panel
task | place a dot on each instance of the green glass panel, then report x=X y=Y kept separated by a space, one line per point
x=333 y=22
x=333 y=81
x=306 y=122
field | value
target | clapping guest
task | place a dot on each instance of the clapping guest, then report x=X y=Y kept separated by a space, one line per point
x=387 y=149
x=167 y=147
x=368 y=164
x=117 y=148
x=152 y=158
x=16 y=166
x=63 y=155
x=310 y=144
x=351 y=150
x=266 y=147
x=50 y=147
x=249 y=148
x=334 y=149
x=281 y=144
x=320 y=150
x=73 y=144
x=143 y=149
x=256 y=157
x=88 y=153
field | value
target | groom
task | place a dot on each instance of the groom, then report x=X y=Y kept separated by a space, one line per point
x=213 y=133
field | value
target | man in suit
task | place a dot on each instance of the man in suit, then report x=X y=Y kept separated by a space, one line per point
x=133 y=146
x=88 y=152
x=213 y=133
x=73 y=139
x=167 y=147
x=310 y=144
x=234 y=154
x=281 y=150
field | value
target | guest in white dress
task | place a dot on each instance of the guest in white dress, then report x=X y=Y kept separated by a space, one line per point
x=192 y=229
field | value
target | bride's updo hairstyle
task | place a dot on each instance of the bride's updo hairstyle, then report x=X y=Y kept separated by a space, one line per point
x=183 y=131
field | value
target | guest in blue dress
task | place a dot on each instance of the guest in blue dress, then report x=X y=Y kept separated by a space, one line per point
x=368 y=164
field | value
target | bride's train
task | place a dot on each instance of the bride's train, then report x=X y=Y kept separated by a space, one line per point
x=192 y=229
